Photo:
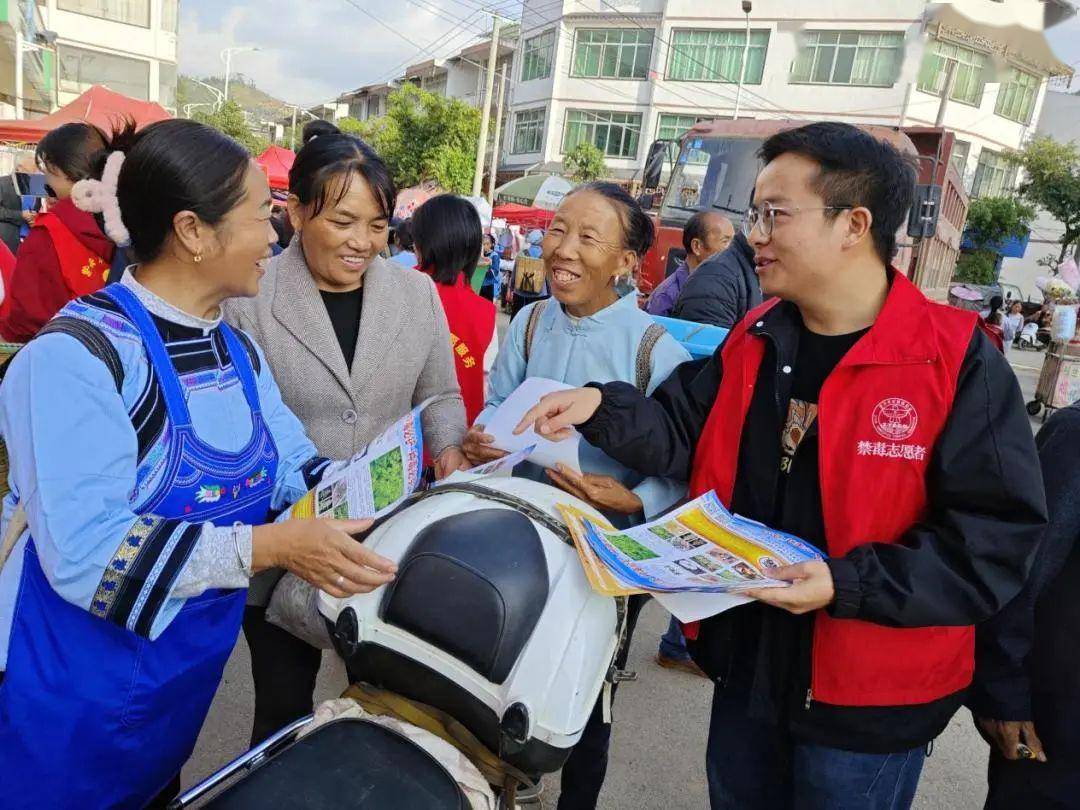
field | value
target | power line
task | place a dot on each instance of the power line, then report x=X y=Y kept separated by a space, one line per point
x=431 y=48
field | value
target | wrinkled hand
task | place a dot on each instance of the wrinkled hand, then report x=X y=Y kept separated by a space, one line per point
x=554 y=416
x=450 y=460
x=323 y=553
x=29 y=216
x=479 y=447
x=1013 y=739
x=602 y=491
x=811 y=588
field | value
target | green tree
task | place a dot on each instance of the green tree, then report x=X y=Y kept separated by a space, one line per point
x=585 y=162
x=976 y=267
x=993 y=220
x=425 y=137
x=1052 y=182
x=990 y=221
x=230 y=119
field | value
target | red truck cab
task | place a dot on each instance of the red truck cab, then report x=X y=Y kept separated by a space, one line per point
x=715 y=170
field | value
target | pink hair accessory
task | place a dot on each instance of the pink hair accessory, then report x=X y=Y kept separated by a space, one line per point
x=99 y=197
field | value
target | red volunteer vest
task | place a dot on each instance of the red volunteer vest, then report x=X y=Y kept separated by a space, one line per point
x=472 y=324
x=880 y=414
x=82 y=269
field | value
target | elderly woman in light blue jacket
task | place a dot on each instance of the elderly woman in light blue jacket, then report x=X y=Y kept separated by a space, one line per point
x=588 y=332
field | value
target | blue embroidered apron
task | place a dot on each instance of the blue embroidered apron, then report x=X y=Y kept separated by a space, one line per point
x=91 y=714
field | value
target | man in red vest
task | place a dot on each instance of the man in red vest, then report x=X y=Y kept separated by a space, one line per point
x=881 y=427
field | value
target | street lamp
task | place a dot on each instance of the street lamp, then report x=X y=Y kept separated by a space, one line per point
x=226 y=57
x=747 y=6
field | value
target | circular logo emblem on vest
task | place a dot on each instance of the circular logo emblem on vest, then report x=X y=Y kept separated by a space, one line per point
x=895 y=418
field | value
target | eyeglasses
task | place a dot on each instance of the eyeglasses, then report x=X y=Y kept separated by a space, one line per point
x=764 y=216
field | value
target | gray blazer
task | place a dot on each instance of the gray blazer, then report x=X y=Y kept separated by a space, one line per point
x=403 y=356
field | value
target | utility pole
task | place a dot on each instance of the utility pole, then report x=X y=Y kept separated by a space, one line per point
x=485 y=109
x=747 y=7
x=950 y=83
x=498 y=133
x=292 y=136
x=19 y=71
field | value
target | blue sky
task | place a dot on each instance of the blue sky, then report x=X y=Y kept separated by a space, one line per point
x=312 y=50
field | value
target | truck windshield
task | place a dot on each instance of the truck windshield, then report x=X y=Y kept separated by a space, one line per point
x=711 y=173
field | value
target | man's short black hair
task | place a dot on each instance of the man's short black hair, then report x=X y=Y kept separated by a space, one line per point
x=695 y=228
x=403 y=235
x=857 y=169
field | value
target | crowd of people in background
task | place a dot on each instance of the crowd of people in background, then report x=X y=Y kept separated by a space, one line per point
x=187 y=335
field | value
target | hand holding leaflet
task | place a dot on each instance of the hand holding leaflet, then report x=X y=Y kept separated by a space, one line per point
x=507 y=416
x=374 y=481
x=700 y=546
x=501 y=467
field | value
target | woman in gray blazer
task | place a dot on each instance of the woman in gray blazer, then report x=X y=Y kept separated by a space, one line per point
x=354 y=341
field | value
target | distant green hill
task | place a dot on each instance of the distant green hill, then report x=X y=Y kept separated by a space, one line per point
x=263 y=106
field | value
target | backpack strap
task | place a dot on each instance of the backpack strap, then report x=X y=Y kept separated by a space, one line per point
x=530 y=325
x=89 y=336
x=643 y=366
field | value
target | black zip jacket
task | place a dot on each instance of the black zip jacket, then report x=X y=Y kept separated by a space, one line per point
x=723 y=289
x=958 y=567
x=1027 y=658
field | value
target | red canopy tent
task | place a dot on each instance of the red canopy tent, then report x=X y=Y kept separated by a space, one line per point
x=98 y=105
x=523 y=215
x=276 y=162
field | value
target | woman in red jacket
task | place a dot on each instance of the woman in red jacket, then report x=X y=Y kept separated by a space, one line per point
x=448 y=240
x=66 y=253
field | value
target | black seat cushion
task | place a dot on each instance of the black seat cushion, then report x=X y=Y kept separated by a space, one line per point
x=473 y=585
x=348 y=763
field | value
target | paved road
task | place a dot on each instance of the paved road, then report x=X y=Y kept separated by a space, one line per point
x=660 y=729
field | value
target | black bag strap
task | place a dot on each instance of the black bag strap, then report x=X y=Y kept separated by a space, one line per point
x=531 y=324
x=89 y=336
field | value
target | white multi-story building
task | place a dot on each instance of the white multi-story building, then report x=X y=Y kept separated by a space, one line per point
x=128 y=46
x=1059 y=119
x=621 y=73
x=460 y=76
x=23 y=26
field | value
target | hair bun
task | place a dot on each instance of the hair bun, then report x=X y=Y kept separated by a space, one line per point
x=315 y=129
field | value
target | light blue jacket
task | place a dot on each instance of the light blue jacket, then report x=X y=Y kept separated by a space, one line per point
x=600 y=348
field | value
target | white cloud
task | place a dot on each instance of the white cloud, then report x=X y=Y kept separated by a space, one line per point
x=312 y=50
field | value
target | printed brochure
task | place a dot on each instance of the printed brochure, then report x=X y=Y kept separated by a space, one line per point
x=699 y=546
x=374 y=481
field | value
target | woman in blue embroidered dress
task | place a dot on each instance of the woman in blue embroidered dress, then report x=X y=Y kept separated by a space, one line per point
x=148 y=445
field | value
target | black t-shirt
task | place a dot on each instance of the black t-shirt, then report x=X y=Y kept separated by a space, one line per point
x=885 y=729
x=344 y=311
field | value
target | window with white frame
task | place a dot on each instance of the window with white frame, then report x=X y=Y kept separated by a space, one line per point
x=612 y=53
x=1016 y=97
x=81 y=69
x=959 y=157
x=971 y=68
x=170 y=15
x=672 y=126
x=132 y=12
x=994 y=176
x=538 y=56
x=167 y=85
x=865 y=58
x=616 y=134
x=528 y=131
x=702 y=55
